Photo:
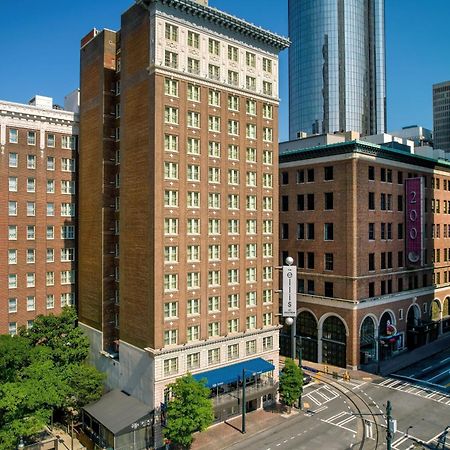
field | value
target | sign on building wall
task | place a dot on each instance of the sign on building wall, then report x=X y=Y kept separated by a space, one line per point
x=414 y=221
x=289 y=291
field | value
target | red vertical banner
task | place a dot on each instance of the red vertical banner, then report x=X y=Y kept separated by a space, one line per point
x=415 y=197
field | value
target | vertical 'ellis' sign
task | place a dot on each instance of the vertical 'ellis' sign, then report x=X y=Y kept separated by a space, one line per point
x=289 y=291
x=414 y=221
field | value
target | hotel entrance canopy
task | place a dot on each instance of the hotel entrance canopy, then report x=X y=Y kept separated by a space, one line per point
x=233 y=373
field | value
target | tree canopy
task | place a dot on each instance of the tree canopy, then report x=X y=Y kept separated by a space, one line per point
x=189 y=410
x=43 y=373
x=291 y=382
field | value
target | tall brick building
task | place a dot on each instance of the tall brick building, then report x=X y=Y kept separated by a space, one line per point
x=369 y=230
x=38 y=153
x=178 y=195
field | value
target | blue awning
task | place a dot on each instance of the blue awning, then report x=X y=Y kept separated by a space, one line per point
x=232 y=373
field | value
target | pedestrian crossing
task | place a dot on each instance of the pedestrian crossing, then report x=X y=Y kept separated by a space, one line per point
x=321 y=395
x=417 y=390
x=343 y=420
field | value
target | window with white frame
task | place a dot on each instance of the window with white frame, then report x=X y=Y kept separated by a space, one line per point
x=12 y=305
x=250 y=275
x=193 y=306
x=250 y=59
x=267 y=273
x=251 y=179
x=171 y=115
x=233 y=251
x=233 y=176
x=193 y=280
x=233 y=53
x=267 y=180
x=67 y=299
x=214 y=303
x=214 y=252
x=251 y=322
x=233 y=201
x=171 y=254
x=171 y=32
x=233 y=301
x=193 y=39
x=251 y=203
x=214 y=47
x=171 y=59
x=213 y=98
x=12 y=232
x=267 y=343
x=170 y=337
x=251 y=226
x=170 y=366
x=67 y=276
x=267 y=134
x=233 y=103
x=250 y=347
x=267 y=250
x=171 y=198
x=233 y=325
x=170 y=143
x=251 y=131
x=171 y=87
x=268 y=157
x=233 y=127
x=50 y=163
x=233 y=152
x=193 y=226
x=250 y=251
x=50 y=279
x=170 y=282
x=193 y=172
x=214 y=175
x=170 y=170
x=267 y=296
x=193 y=199
x=267 y=65
x=193 y=361
x=31 y=255
x=12 y=281
x=213 y=329
x=250 y=298
x=250 y=83
x=67 y=254
x=50 y=232
x=51 y=140
x=50 y=211
x=170 y=226
x=12 y=328
x=233 y=351
x=193 y=119
x=31 y=209
x=267 y=319
x=31 y=137
x=67 y=209
x=193 y=253
x=233 y=78
x=193 y=66
x=12 y=184
x=13 y=137
x=214 y=72
x=12 y=256
x=267 y=88
x=213 y=278
x=12 y=208
x=214 y=149
x=193 y=146
x=213 y=226
x=233 y=276
x=233 y=226
x=31 y=162
x=31 y=232
x=267 y=111
x=170 y=310
x=68 y=232
x=50 y=186
x=67 y=165
x=267 y=203
x=13 y=160
x=68 y=142
x=214 y=124
x=214 y=200
x=50 y=301
x=267 y=226
x=251 y=107
x=193 y=93
x=31 y=279
x=213 y=356
x=193 y=333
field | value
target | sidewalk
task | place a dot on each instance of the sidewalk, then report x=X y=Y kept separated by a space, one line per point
x=223 y=435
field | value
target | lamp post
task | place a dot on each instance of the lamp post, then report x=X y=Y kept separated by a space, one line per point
x=244 y=403
x=389 y=432
x=300 y=367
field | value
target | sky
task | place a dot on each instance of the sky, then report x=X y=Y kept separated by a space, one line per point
x=41 y=48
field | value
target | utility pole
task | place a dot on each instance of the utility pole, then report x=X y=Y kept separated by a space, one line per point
x=300 y=366
x=243 y=401
x=389 y=431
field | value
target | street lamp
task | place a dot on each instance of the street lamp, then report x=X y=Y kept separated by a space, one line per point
x=244 y=403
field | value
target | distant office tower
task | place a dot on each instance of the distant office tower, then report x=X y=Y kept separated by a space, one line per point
x=179 y=197
x=336 y=67
x=37 y=200
x=441 y=115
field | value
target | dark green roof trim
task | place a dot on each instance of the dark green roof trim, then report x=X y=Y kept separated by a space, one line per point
x=226 y=20
x=362 y=147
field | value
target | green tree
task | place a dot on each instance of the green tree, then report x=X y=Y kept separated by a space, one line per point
x=15 y=354
x=291 y=382
x=189 y=410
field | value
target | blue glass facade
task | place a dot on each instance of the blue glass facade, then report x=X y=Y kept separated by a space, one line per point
x=337 y=66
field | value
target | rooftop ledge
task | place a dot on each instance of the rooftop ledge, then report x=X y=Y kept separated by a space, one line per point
x=227 y=20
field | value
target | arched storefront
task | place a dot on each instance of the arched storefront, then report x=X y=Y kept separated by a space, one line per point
x=307 y=335
x=367 y=341
x=334 y=342
x=446 y=316
x=388 y=337
x=414 y=338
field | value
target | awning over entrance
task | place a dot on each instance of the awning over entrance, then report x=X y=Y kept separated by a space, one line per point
x=230 y=374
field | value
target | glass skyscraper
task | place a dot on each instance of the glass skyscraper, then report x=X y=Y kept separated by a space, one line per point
x=337 y=76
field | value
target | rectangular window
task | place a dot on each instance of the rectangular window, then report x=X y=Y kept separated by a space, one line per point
x=267 y=65
x=250 y=83
x=193 y=306
x=193 y=280
x=31 y=254
x=31 y=162
x=213 y=72
x=233 y=301
x=170 y=226
x=13 y=160
x=233 y=325
x=193 y=226
x=13 y=136
x=31 y=137
x=68 y=142
x=213 y=356
x=372 y=201
x=31 y=303
x=68 y=277
x=193 y=39
x=233 y=351
x=193 y=253
x=171 y=198
x=267 y=88
x=12 y=208
x=193 y=146
x=12 y=184
x=233 y=53
x=233 y=127
x=250 y=347
x=193 y=333
x=193 y=66
x=329 y=261
x=170 y=282
x=193 y=119
x=193 y=93
x=171 y=32
x=214 y=124
x=233 y=103
x=193 y=361
x=251 y=131
x=328 y=197
x=233 y=78
x=328 y=232
x=214 y=304
x=214 y=47
x=50 y=163
x=171 y=115
x=170 y=310
x=251 y=107
x=171 y=59
x=170 y=366
x=171 y=87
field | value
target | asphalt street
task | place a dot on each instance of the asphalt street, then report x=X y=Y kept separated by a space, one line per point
x=330 y=421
